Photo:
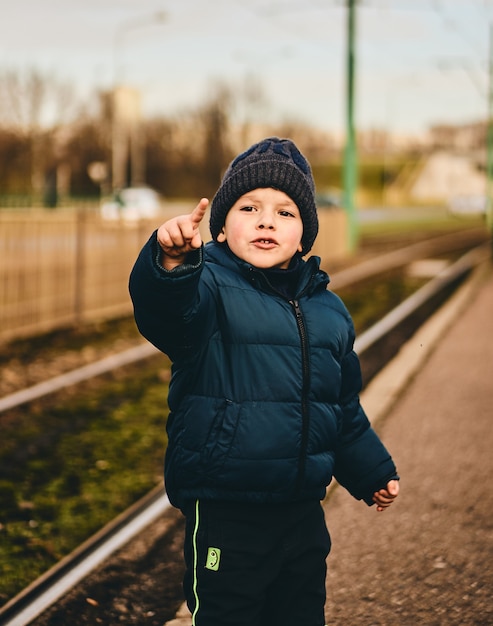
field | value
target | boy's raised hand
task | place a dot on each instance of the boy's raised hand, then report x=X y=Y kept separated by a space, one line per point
x=384 y=497
x=180 y=235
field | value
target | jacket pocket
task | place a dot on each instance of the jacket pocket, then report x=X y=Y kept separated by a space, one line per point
x=221 y=437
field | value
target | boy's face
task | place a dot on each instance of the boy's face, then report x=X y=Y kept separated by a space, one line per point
x=264 y=228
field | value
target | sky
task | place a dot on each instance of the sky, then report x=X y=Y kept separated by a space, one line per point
x=417 y=62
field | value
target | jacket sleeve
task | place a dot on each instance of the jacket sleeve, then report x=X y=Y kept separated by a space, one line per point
x=362 y=464
x=168 y=303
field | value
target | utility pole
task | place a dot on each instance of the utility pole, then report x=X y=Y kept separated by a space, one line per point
x=350 y=167
x=489 y=142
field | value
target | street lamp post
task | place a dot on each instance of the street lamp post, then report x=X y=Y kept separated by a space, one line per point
x=350 y=168
x=489 y=142
x=126 y=114
x=123 y=29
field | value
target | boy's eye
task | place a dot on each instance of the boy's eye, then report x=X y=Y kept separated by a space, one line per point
x=286 y=213
x=247 y=208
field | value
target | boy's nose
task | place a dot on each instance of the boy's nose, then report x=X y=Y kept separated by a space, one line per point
x=265 y=220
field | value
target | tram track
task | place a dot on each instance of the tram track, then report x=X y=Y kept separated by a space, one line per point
x=50 y=587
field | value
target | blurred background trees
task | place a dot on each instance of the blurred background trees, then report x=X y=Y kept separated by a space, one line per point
x=55 y=149
x=48 y=143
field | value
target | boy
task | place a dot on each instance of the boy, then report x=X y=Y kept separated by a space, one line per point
x=263 y=398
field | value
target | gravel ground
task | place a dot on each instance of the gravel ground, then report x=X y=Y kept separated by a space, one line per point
x=140 y=585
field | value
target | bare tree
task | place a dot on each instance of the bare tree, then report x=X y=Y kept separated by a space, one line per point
x=33 y=99
x=35 y=105
x=216 y=119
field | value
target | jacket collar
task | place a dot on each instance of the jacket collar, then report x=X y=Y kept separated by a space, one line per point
x=310 y=276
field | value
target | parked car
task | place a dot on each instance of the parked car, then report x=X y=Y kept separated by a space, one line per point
x=132 y=204
x=328 y=199
x=468 y=204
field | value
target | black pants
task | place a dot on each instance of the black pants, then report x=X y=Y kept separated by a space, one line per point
x=256 y=565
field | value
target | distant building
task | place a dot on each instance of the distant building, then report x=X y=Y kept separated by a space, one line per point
x=445 y=175
x=452 y=166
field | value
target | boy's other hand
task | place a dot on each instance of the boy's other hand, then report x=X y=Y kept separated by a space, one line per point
x=384 y=497
x=180 y=235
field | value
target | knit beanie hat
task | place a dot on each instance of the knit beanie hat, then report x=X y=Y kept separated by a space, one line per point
x=275 y=163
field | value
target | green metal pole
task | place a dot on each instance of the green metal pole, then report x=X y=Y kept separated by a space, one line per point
x=489 y=143
x=350 y=167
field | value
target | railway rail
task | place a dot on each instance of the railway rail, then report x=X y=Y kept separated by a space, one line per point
x=49 y=588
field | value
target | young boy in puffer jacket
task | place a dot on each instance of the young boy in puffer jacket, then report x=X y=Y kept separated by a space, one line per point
x=264 y=394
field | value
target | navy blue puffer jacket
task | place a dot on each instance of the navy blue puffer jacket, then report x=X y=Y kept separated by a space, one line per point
x=263 y=398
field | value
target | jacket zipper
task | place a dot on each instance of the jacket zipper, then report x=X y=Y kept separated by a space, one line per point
x=305 y=364
x=305 y=416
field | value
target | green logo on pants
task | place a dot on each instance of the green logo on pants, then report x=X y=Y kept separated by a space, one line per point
x=213 y=558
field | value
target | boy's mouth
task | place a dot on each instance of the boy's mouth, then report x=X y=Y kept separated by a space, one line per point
x=264 y=242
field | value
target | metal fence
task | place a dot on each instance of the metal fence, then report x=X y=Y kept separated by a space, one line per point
x=68 y=267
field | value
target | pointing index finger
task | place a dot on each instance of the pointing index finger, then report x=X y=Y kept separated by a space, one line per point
x=198 y=213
